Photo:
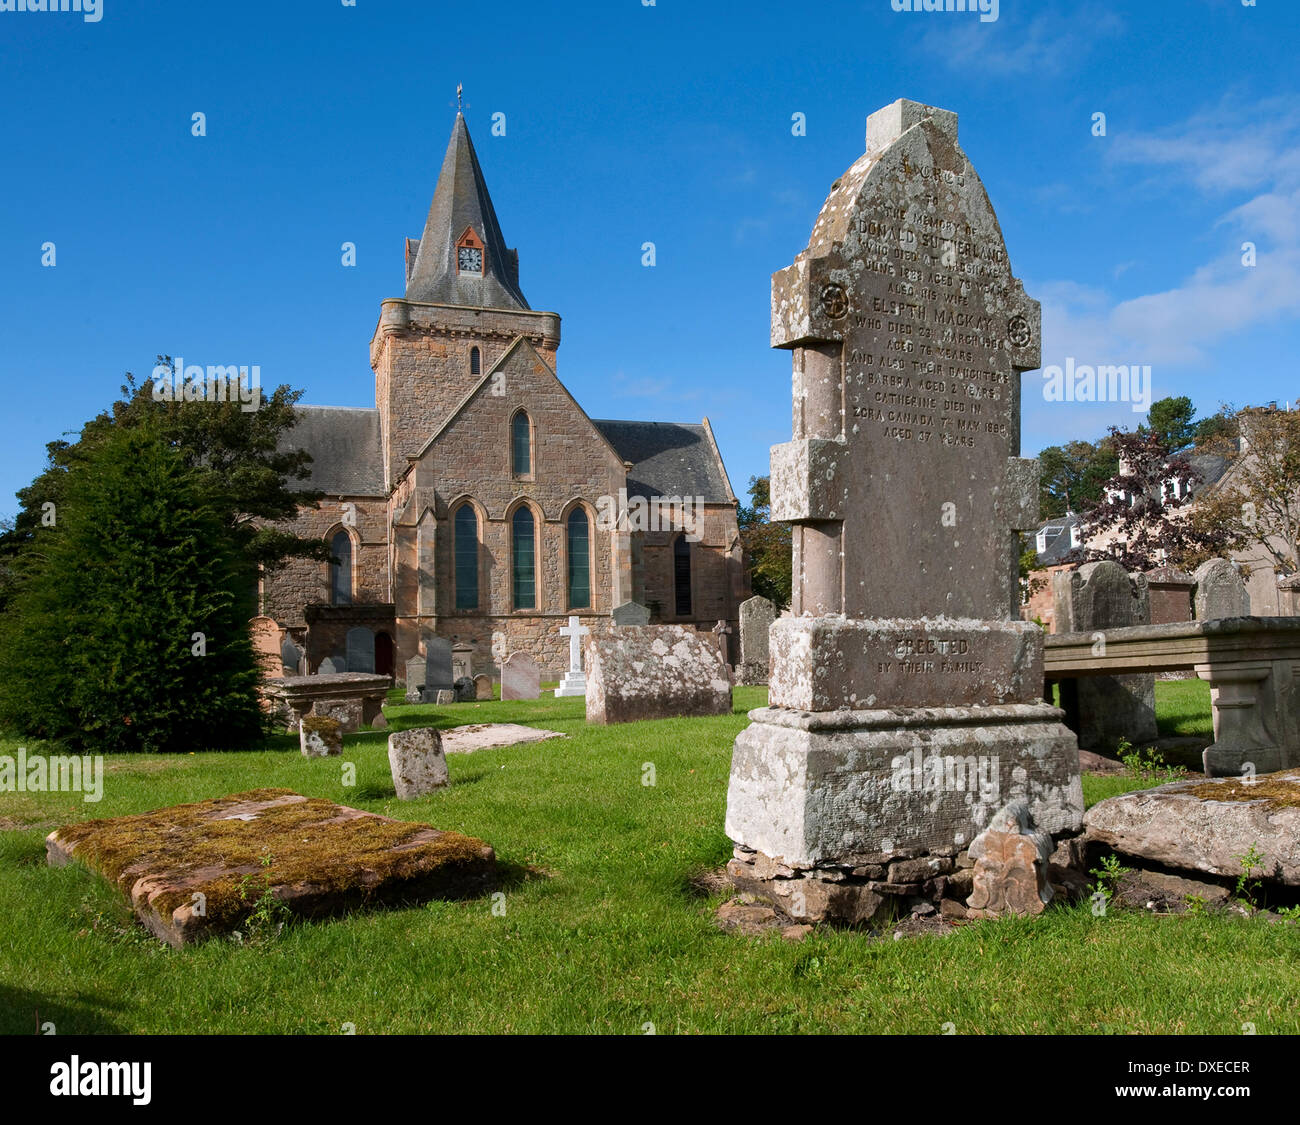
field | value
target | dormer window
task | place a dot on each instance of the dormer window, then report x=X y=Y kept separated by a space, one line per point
x=469 y=254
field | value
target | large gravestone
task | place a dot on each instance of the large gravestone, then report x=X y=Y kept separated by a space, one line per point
x=290 y=657
x=756 y=617
x=437 y=669
x=264 y=632
x=1096 y=597
x=631 y=613
x=905 y=695
x=415 y=670
x=1220 y=591
x=655 y=672
x=361 y=650
x=520 y=677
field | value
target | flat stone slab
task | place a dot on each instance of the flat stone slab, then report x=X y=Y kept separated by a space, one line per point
x=1206 y=825
x=196 y=871
x=484 y=736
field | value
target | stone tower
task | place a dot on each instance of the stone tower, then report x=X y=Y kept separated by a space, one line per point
x=462 y=309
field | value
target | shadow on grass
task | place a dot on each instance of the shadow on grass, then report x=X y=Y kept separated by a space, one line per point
x=25 y=1013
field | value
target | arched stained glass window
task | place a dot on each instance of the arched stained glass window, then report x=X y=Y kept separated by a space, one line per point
x=523 y=564
x=579 y=534
x=521 y=459
x=475 y=362
x=465 y=529
x=341 y=569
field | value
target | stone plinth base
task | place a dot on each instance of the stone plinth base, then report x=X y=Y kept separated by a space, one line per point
x=841 y=790
x=572 y=683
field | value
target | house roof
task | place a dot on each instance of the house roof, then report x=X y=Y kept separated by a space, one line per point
x=461 y=202
x=668 y=459
x=346 y=449
x=1056 y=534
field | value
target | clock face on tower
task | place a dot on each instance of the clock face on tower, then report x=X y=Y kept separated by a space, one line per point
x=469 y=259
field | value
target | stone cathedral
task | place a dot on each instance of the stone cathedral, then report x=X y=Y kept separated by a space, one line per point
x=477 y=501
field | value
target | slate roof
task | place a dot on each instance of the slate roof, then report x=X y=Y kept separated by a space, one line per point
x=668 y=459
x=461 y=200
x=346 y=449
x=1058 y=538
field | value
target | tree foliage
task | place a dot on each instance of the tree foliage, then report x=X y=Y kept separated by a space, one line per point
x=1259 y=500
x=1143 y=509
x=237 y=454
x=128 y=624
x=1072 y=476
x=768 y=546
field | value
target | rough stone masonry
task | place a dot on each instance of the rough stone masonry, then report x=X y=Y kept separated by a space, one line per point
x=905 y=706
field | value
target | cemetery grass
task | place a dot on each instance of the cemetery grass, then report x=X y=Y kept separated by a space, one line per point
x=606 y=928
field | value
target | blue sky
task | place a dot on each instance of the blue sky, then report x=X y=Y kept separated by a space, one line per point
x=628 y=123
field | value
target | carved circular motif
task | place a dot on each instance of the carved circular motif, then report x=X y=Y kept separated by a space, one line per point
x=1018 y=330
x=835 y=301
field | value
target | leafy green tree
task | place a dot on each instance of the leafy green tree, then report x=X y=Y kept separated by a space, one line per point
x=128 y=624
x=1072 y=476
x=244 y=458
x=768 y=545
x=1170 y=420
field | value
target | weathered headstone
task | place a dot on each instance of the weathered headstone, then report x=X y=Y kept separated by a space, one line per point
x=904 y=653
x=756 y=617
x=361 y=650
x=290 y=657
x=332 y=666
x=462 y=663
x=574 y=681
x=1103 y=709
x=320 y=736
x=417 y=762
x=631 y=613
x=437 y=668
x=655 y=672
x=722 y=632
x=1220 y=591
x=482 y=687
x=464 y=689
x=520 y=677
x=264 y=632
x=414 y=679
x=180 y=863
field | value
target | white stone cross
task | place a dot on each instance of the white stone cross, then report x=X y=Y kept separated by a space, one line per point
x=575 y=631
x=573 y=682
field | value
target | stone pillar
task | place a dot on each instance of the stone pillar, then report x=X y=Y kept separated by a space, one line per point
x=1096 y=597
x=905 y=703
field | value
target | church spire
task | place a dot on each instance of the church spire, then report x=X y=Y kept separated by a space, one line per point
x=462 y=258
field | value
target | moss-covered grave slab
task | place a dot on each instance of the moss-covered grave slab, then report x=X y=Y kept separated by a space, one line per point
x=1208 y=826
x=203 y=869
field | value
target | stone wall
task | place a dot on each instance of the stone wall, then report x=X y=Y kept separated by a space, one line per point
x=303 y=582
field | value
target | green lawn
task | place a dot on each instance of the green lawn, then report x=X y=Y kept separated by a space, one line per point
x=602 y=931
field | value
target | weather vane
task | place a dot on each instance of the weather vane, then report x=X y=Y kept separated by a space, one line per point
x=460 y=97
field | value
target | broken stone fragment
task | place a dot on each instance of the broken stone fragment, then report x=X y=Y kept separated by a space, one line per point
x=320 y=737
x=1011 y=867
x=417 y=762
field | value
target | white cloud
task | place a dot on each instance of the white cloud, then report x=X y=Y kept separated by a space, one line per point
x=1231 y=148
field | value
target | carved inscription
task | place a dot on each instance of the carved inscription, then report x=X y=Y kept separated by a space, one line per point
x=931 y=656
x=925 y=361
